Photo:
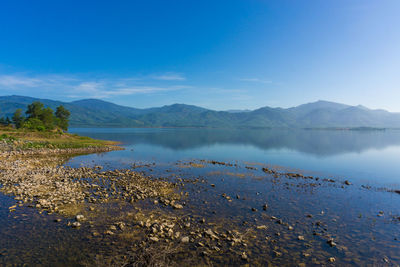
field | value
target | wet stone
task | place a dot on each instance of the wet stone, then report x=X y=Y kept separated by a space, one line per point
x=76 y=224
x=79 y=217
x=154 y=239
x=185 y=239
x=244 y=256
x=178 y=206
x=331 y=242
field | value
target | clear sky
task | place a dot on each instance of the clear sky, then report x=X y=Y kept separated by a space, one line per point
x=216 y=54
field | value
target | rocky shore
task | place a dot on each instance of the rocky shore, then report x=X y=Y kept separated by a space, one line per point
x=82 y=195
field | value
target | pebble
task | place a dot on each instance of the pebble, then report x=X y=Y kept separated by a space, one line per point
x=153 y=238
x=79 y=217
x=185 y=239
x=331 y=242
x=178 y=206
x=76 y=224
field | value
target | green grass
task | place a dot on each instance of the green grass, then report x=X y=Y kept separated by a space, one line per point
x=25 y=139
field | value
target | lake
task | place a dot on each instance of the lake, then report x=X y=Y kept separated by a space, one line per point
x=294 y=197
x=363 y=218
x=371 y=157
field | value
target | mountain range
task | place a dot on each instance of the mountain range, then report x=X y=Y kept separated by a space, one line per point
x=320 y=114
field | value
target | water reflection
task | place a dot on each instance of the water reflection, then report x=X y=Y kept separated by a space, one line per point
x=314 y=142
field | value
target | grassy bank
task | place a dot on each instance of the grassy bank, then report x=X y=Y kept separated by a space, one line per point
x=25 y=139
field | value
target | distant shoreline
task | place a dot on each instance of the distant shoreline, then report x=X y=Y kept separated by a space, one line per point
x=244 y=128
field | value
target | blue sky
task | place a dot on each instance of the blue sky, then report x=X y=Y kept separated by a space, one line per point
x=216 y=54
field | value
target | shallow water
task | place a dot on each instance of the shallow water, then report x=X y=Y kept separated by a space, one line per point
x=362 y=217
x=366 y=158
x=371 y=157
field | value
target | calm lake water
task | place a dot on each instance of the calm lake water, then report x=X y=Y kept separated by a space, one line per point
x=369 y=157
x=362 y=217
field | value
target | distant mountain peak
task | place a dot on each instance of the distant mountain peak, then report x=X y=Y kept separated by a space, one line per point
x=181 y=107
x=324 y=103
x=93 y=100
x=362 y=107
x=237 y=110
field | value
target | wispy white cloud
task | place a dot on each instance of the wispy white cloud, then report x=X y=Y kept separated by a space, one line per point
x=225 y=91
x=257 y=80
x=89 y=87
x=14 y=81
x=79 y=87
x=100 y=92
x=170 y=77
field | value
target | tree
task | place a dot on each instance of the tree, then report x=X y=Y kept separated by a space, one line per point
x=8 y=121
x=47 y=117
x=2 y=121
x=62 y=118
x=34 y=110
x=18 y=119
x=34 y=124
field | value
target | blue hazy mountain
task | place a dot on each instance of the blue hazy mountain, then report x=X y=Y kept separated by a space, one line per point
x=320 y=114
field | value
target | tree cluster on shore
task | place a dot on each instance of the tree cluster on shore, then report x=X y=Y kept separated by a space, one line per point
x=39 y=118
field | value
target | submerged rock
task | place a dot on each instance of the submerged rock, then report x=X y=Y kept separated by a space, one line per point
x=178 y=206
x=331 y=242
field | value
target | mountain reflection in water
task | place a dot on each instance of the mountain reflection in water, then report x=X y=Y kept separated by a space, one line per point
x=364 y=155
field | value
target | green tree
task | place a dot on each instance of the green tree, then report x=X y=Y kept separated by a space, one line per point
x=8 y=121
x=34 y=124
x=47 y=118
x=62 y=118
x=18 y=119
x=34 y=110
x=2 y=121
